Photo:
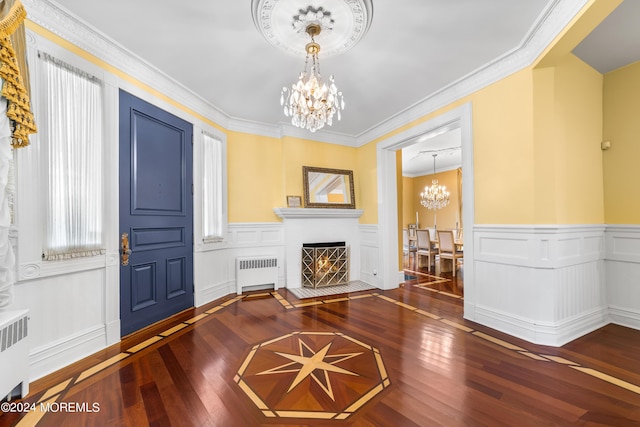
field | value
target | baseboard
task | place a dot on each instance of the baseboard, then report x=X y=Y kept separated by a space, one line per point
x=624 y=317
x=214 y=292
x=369 y=279
x=113 y=332
x=61 y=353
x=555 y=335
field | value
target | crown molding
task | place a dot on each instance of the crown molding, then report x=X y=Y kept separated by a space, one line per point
x=285 y=129
x=59 y=21
x=551 y=22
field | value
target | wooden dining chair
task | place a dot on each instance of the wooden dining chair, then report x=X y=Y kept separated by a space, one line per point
x=424 y=247
x=407 y=247
x=447 y=249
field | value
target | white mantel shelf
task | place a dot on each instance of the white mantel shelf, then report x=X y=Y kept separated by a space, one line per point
x=287 y=213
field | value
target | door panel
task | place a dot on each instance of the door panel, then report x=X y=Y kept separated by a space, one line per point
x=156 y=212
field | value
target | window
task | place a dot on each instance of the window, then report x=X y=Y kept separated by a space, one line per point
x=73 y=144
x=212 y=197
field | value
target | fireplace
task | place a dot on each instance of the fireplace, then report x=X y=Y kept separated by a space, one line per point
x=325 y=264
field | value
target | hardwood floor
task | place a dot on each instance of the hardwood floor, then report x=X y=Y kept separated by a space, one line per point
x=403 y=357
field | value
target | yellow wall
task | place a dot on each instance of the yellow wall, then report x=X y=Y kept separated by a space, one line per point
x=299 y=152
x=536 y=137
x=519 y=124
x=445 y=217
x=503 y=144
x=502 y=120
x=366 y=181
x=622 y=128
x=409 y=207
x=262 y=171
x=567 y=134
x=255 y=177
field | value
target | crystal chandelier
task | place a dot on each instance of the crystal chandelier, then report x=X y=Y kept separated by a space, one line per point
x=310 y=102
x=435 y=196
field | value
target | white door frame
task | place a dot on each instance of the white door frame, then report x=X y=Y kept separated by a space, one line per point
x=391 y=274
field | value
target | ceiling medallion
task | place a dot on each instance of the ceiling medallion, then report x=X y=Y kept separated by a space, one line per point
x=340 y=29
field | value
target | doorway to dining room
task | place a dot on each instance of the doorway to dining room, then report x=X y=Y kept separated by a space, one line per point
x=430 y=204
x=389 y=220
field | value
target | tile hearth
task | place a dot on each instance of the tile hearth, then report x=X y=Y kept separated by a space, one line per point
x=353 y=286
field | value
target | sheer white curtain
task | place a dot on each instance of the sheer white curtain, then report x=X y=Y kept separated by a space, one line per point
x=73 y=140
x=7 y=258
x=212 y=189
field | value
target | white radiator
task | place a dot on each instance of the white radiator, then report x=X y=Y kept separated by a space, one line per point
x=256 y=271
x=14 y=353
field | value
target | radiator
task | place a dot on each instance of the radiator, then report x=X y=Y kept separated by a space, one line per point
x=256 y=271
x=14 y=353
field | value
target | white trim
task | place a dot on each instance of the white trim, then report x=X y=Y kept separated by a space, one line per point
x=36 y=270
x=543 y=333
x=622 y=265
x=539 y=246
x=369 y=251
x=541 y=283
x=287 y=213
x=390 y=274
x=255 y=234
x=552 y=21
x=57 y=20
x=625 y=317
x=58 y=354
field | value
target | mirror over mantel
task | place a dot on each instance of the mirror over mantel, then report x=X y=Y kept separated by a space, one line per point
x=328 y=188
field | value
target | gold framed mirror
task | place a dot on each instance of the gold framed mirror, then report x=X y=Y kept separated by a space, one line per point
x=328 y=188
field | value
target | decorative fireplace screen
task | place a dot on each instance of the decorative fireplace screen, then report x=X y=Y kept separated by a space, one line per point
x=325 y=264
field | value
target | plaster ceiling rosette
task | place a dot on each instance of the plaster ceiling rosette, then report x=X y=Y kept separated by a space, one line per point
x=283 y=23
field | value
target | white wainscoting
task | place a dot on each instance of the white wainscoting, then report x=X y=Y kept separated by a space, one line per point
x=214 y=264
x=623 y=274
x=66 y=318
x=545 y=284
x=369 y=254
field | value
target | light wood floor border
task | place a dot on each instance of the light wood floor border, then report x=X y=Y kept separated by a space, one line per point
x=53 y=394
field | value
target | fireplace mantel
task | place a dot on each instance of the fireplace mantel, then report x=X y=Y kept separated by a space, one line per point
x=300 y=213
x=314 y=225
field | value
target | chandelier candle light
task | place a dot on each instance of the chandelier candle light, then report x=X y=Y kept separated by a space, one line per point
x=436 y=196
x=310 y=102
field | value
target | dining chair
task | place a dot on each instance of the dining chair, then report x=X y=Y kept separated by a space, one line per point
x=407 y=247
x=424 y=247
x=447 y=249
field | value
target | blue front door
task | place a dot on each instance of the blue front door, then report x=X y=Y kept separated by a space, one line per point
x=156 y=214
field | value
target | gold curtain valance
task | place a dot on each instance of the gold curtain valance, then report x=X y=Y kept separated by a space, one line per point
x=14 y=72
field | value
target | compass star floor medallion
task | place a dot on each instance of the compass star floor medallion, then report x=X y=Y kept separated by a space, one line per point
x=322 y=375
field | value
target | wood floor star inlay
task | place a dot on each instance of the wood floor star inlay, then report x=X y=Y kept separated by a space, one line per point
x=312 y=375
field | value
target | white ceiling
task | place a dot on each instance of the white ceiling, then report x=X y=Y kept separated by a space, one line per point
x=615 y=42
x=417 y=159
x=412 y=49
